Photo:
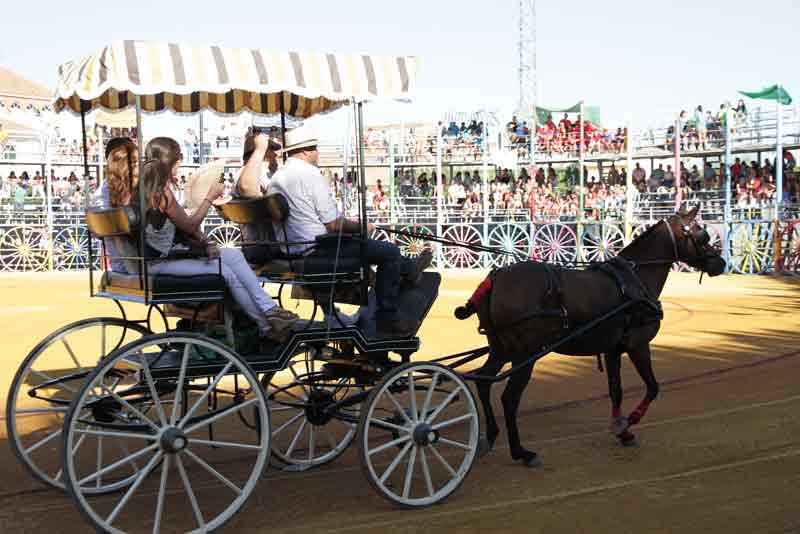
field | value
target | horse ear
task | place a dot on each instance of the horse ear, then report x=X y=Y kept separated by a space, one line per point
x=691 y=214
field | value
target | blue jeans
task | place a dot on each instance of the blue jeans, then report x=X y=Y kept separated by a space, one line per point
x=391 y=267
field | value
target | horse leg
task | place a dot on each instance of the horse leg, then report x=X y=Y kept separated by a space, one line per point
x=484 y=387
x=613 y=365
x=642 y=361
x=511 y=398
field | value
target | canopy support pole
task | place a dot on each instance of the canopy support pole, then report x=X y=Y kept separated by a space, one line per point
x=362 y=189
x=580 y=182
x=283 y=128
x=86 y=188
x=48 y=195
x=779 y=156
x=392 y=176
x=726 y=169
x=199 y=141
x=485 y=190
x=142 y=200
x=677 y=141
x=440 y=192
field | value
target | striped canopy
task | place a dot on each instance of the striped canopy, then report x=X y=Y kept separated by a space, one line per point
x=186 y=79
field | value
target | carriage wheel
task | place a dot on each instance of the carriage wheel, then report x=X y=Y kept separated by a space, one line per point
x=790 y=248
x=411 y=247
x=459 y=257
x=751 y=248
x=303 y=434
x=71 y=249
x=418 y=434
x=24 y=248
x=226 y=236
x=601 y=242
x=511 y=238
x=555 y=243
x=379 y=234
x=156 y=399
x=45 y=385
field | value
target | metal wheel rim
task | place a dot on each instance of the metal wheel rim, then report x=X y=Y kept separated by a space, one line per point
x=411 y=247
x=24 y=248
x=168 y=417
x=20 y=379
x=369 y=425
x=226 y=236
x=510 y=238
x=751 y=248
x=604 y=245
x=71 y=249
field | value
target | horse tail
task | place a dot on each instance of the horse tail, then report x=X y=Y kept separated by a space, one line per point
x=471 y=307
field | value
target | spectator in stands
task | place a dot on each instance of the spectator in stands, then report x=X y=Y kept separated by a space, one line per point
x=656 y=178
x=710 y=176
x=740 y=116
x=788 y=160
x=613 y=175
x=639 y=176
x=694 y=180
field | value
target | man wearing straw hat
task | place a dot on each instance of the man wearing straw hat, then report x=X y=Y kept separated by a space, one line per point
x=313 y=212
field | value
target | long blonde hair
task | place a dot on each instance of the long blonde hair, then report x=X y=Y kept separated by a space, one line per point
x=122 y=171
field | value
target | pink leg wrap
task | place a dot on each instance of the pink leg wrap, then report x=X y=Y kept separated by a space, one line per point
x=637 y=414
x=480 y=292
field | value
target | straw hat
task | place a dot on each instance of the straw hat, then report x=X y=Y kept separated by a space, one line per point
x=200 y=182
x=302 y=137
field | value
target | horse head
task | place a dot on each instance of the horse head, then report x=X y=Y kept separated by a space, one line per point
x=692 y=243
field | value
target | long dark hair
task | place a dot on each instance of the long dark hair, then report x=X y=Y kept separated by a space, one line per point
x=161 y=155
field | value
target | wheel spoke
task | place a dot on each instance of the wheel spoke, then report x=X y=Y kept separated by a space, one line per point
x=310 y=442
x=205 y=394
x=329 y=437
x=227 y=411
x=98 y=480
x=118 y=463
x=152 y=387
x=287 y=423
x=442 y=461
x=236 y=489
x=129 y=406
x=410 y=472
x=454 y=443
x=399 y=408
x=429 y=395
x=396 y=462
x=114 y=434
x=162 y=490
x=188 y=487
x=412 y=393
x=144 y=474
x=453 y=394
x=43 y=441
x=54 y=382
x=72 y=353
x=179 y=391
x=426 y=472
x=224 y=444
x=388 y=445
x=452 y=421
x=54 y=409
x=296 y=438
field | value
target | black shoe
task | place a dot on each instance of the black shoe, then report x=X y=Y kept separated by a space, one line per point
x=399 y=327
x=423 y=261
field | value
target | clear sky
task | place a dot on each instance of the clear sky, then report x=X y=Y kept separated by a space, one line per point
x=636 y=59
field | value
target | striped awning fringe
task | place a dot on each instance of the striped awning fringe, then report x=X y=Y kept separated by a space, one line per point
x=185 y=79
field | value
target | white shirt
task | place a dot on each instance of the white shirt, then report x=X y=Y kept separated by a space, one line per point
x=311 y=202
x=263 y=180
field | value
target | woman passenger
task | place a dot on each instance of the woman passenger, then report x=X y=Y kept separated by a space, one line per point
x=165 y=217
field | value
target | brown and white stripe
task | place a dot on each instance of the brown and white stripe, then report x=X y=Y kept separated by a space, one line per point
x=187 y=78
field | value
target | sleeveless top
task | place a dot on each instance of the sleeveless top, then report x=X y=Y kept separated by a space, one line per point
x=159 y=241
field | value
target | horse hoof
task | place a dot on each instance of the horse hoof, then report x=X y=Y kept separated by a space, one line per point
x=619 y=425
x=627 y=439
x=484 y=446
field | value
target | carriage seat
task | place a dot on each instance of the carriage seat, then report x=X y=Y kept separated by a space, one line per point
x=121 y=224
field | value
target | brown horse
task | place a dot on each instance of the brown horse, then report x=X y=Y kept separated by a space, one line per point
x=527 y=306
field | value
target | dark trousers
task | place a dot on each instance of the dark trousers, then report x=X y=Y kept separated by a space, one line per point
x=392 y=266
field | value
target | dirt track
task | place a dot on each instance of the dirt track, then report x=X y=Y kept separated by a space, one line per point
x=720 y=447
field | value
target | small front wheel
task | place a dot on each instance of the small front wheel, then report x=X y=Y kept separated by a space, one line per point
x=418 y=434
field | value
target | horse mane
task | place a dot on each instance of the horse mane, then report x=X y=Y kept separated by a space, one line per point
x=640 y=238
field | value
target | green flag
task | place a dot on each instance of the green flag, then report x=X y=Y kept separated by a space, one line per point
x=776 y=92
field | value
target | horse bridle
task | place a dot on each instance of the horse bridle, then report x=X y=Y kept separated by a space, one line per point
x=698 y=241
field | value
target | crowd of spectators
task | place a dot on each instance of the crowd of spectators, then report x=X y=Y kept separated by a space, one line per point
x=565 y=139
x=702 y=130
x=19 y=191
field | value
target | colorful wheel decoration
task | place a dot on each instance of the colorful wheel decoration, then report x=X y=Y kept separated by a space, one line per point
x=752 y=248
x=789 y=262
x=457 y=257
x=226 y=235
x=24 y=248
x=411 y=247
x=71 y=249
x=511 y=238
x=379 y=234
x=601 y=242
x=555 y=243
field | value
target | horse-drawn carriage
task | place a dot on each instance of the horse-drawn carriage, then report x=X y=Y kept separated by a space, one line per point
x=189 y=415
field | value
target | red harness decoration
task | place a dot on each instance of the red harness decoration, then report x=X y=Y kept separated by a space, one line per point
x=480 y=292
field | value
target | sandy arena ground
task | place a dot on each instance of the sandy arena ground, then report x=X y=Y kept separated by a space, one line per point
x=720 y=448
